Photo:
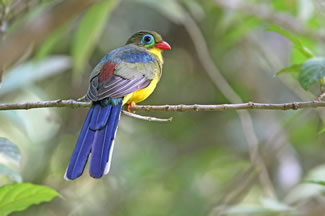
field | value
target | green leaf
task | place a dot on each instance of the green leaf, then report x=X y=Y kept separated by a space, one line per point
x=90 y=29
x=313 y=70
x=296 y=42
x=322 y=131
x=314 y=22
x=322 y=81
x=32 y=71
x=12 y=174
x=285 y=6
x=292 y=69
x=9 y=151
x=322 y=183
x=17 y=197
x=296 y=56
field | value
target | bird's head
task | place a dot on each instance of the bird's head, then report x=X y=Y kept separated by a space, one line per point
x=148 y=40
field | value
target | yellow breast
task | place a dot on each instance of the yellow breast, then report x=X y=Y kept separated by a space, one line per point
x=142 y=94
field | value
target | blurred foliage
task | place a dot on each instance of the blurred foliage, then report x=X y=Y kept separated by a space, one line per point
x=87 y=35
x=198 y=164
x=11 y=154
x=296 y=42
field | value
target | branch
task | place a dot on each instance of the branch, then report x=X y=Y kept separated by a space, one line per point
x=223 y=107
x=44 y=104
x=146 y=118
x=169 y=108
x=70 y=104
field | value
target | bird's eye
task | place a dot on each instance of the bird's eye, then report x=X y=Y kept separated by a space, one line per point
x=147 y=39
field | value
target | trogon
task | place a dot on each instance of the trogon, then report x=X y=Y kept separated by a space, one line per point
x=125 y=76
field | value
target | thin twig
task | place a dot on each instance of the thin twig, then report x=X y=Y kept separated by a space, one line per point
x=243 y=182
x=170 y=108
x=321 y=96
x=146 y=118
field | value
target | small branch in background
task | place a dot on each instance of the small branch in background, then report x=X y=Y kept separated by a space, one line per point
x=243 y=182
x=321 y=96
x=146 y=118
x=264 y=13
x=222 y=84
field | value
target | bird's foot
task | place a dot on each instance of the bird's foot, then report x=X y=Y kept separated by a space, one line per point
x=130 y=105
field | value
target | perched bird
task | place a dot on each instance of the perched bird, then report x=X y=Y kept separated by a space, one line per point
x=126 y=75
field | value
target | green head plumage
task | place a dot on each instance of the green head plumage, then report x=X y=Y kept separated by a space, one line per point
x=148 y=40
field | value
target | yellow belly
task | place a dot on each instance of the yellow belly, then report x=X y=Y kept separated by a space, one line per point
x=141 y=94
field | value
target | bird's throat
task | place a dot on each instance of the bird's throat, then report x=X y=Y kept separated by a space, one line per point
x=157 y=52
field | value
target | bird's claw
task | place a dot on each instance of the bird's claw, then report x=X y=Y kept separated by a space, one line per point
x=130 y=105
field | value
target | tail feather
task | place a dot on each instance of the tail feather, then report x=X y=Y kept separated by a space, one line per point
x=102 y=145
x=97 y=136
x=100 y=117
x=81 y=151
x=108 y=164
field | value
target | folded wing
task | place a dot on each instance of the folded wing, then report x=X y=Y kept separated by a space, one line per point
x=122 y=72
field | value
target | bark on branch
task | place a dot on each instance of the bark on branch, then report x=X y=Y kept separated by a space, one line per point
x=173 y=108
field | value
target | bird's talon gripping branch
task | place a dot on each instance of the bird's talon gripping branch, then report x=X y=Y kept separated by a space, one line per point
x=130 y=105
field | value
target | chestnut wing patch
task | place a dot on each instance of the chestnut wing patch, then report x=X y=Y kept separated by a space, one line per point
x=107 y=71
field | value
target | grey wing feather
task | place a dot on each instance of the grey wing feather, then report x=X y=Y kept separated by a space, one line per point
x=115 y=87
x=122 y=87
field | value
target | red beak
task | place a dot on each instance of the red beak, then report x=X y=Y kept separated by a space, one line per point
x=163 y=45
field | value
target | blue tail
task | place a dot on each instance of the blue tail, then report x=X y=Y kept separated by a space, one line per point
x=97 y=135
